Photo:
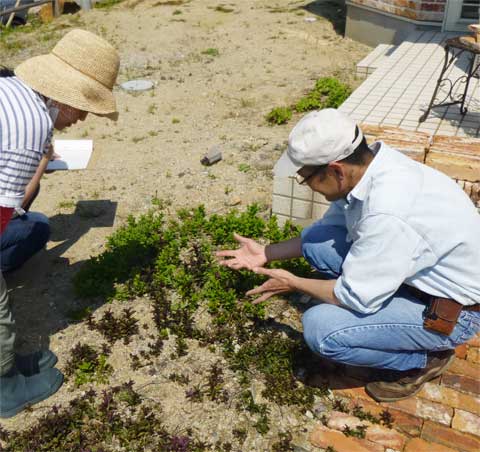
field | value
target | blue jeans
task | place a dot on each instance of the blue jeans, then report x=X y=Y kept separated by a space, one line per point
x=23 y=237
x=391 y=338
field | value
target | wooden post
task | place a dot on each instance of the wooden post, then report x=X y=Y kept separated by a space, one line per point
x=10 y=19
x=56 y=8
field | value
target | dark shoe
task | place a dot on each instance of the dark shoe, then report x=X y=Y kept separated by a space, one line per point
x=401 y=385
x=18 y=392
x=35 y=363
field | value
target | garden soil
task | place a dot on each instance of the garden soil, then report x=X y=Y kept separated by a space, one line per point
x=217 y=71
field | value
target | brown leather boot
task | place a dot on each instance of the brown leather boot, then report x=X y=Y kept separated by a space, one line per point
x=401 y=385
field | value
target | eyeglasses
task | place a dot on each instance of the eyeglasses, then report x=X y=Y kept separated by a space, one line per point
x=303 y=180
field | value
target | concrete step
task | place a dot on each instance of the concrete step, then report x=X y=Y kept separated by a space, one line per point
x=371 y=62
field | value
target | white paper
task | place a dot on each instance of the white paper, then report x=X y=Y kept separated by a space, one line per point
x=73 y=154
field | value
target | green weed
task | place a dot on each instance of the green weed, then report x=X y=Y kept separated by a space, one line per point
x=244 y=167
x=87 y=365
x=328 y=92
x=279 y=115
x=211 y=51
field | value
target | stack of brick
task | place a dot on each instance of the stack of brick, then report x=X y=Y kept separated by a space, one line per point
x=443 y=417
x=458 y=157
x=420 y=10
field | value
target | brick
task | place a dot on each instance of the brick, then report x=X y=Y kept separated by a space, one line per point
x=458 y=157
x=420 y=445
x=413 y=144
x=385 y=436
x=323 y=437
x=424 y=409
x=461 y=351
x=461 y=383
x=402 y=421
x=339 y=420
x=450 y=397
x=342 y=383
x=474 y=341
x=466 y=422
x=452 y=438
x=473 y=355
x=463 y=367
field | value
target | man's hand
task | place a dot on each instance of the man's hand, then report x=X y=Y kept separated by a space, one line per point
x=280 y=282
x=250 y=255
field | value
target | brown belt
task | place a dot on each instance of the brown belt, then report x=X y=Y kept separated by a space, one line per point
x=427 y=298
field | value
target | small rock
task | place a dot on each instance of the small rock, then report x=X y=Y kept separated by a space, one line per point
x=319 y=409
x=309 y=414
x=213 y=156
x=235 y=202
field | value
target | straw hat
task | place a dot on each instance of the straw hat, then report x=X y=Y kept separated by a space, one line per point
x=80 y=72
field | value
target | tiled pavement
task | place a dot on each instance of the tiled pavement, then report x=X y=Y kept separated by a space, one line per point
x=443 y=417
x=398 y=91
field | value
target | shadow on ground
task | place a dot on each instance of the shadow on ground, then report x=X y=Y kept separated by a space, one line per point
x=41 y=291
x=331 y=10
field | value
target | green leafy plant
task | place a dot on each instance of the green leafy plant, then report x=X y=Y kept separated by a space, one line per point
x=173 y=263
x=211 y=51
x=279 y=115
x=244 y=167
x=328 y=92
x=86 y=365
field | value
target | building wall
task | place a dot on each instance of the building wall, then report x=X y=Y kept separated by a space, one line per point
x=418 y=10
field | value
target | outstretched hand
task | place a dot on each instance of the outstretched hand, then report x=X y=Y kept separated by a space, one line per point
x=250 y=255
x=281 y=281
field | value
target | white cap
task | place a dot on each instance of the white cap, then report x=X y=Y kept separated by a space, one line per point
x=320 y=137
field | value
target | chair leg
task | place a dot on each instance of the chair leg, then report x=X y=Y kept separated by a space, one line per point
x=471 y=67
x=437 y=87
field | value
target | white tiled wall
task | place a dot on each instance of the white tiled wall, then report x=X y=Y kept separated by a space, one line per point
x=295 y=202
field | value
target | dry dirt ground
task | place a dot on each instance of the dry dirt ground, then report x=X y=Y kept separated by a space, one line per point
x=268 y=56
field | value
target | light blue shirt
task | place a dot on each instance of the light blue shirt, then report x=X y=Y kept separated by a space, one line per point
x=409 y=224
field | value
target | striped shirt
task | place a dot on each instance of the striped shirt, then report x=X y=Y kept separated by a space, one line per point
x=25 y=135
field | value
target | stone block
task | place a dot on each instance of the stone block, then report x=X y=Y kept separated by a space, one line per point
x=303 y=192
x=461 y=383
x=413 y=144
x=282 y=205
x=385 y=436
x=282 y=186
x=450 y=437
x=474 y=341
x=450 y=397
x=458 y=157
x=302 y=209
x=466 y=422
x=424 y=409
x=318 y=197
x=463 y=367
x=473 y=355
x=339 y=420
x=402 y=421
x=323 y=437
x=420 y=445
x=461 y=351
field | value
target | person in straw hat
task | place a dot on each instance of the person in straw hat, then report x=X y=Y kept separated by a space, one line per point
x=45 y=92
